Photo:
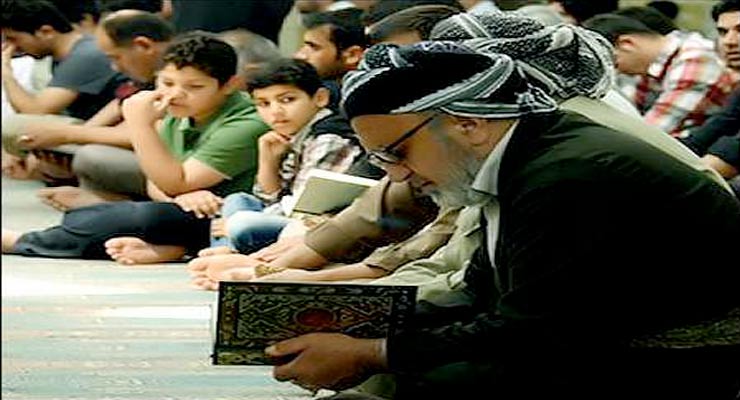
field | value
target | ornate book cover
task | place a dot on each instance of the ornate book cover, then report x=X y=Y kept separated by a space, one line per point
x=250 y=316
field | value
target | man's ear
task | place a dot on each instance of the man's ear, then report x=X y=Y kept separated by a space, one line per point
x=626 y=43
x=321 y=97
x=143 y=43
x=351 y=56
x=45 y=32
x=472 y=130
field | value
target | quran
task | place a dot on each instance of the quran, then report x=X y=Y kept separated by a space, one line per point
x=251 y=316
x=326 y=192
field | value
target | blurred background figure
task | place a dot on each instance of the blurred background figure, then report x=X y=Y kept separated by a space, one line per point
x=263 y=17
x=577 y=11
x=683 y=81
x=668 y=8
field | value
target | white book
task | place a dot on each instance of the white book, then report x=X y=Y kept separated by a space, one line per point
x=327 y=191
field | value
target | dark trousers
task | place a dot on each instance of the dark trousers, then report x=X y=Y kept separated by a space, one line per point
x=84 y=231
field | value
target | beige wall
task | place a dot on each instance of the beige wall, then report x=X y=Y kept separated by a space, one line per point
x=291 y=34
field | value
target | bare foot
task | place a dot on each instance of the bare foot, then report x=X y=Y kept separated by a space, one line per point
x=132 y=250
x=206 y=272
x=9 y=240
x=55 y=167
x=204 y=283
x=213 y=251
x=21 y=168
x=212 y=266
x=64 y=198
x=236 y=274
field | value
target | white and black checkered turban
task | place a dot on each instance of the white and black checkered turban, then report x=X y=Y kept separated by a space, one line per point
x=565 y=60
x=440 y=75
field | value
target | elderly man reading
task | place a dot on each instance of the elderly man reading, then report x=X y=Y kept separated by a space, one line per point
x=581 y=286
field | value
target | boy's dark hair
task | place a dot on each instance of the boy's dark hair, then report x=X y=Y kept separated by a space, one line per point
x=582 y=10
x=152 y=6
x=649 y=16
x=204 y=52
x=611 y=26
x=667 y=8
x=420 y=19
x=286 y=71
x=30 y=15
x=724 y=6
x=122 y=29
x=345 y=27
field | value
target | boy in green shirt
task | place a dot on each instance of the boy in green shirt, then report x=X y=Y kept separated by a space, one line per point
x=208 y=139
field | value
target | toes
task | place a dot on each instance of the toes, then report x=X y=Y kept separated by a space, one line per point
x=197 y=264
x=204 y=284
x=125 y=261
x=113 y=244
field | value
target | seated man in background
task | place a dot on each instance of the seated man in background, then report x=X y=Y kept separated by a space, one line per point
x=82 y=80
x=104 y=164
x=683 y=80
x=333 y=43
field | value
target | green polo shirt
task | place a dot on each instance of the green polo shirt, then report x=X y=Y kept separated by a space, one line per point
x=226 y=143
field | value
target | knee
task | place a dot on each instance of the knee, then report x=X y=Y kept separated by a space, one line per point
x=237 y=202
x=249 y=231
x=241 y=222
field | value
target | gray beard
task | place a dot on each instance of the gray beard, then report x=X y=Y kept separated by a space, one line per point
x=458 y=192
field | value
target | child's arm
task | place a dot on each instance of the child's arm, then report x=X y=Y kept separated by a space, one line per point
x=155 y=193
x=272 y=147
x=159 y=165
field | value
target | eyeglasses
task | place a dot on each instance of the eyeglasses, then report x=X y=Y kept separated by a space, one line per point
x=387 y=154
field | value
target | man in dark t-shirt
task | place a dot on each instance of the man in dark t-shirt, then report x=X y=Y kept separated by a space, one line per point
x=82 y=79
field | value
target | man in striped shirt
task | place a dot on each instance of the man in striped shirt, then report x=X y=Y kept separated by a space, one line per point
x=683 y=81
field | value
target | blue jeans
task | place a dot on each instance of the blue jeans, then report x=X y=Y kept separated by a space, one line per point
x=248 y=228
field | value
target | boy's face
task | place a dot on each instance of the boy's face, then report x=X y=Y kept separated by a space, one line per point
x=190 y=92
x=319 y=51
x=287 y=108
